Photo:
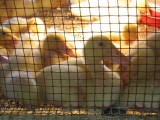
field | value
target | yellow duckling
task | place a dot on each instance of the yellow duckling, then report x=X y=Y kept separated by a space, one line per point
x=8 y=40
x=20 y=85
x=142 y=65
x=53 y=43
x=153 y=41
x=65 y=85
x=16 y=25
x=141 y=94
x=121 y=34
x=26 y=29
x=36 y=29
x=102 y=9
x=20 y=73
x=21 y=8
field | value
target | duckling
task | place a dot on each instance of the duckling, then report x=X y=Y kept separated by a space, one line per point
x=31 y=37
x=16 y=25
x=95 y=11
x=122 y=34
x=91 y=11
x=53 y=43
x=153 y=41
x=26 y=61
x=18 y=77
x=8 y=40
x=36 y=28
x=20 y=85
x=21 y=8
x=142 y=65
x=141 y=94
x=31 y=29
x=64 y=84
x=3 y=11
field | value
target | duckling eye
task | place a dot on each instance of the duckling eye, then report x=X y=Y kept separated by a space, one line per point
x=101 y=44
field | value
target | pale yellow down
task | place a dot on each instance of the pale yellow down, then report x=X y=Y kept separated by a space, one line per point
x=143 y=94
x=108 y=10
x=121 y=34
x=18 y=76
x=8 y=40
x=23 y=33
x=36 y=29
x=142 y=65
x=20 y=85
x=65 y=84
x=21 y=8
x=153 y=40
x=26 y=8
x=26 y=59
x=144 y=58
x=16 y=25
x=55 y=48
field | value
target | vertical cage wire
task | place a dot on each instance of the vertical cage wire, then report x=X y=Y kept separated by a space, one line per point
x=79 y=57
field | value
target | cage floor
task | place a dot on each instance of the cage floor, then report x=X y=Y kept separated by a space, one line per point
x=31 y=116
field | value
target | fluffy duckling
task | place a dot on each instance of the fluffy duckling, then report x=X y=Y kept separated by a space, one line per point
x=20 y=85
x=25 y=61
x=153 y=41
x=8 y=40
x=36 y=28
x=31 y=36
x=89 y=10
x=144 y=58
x=19 y=8
x=18 y=76
x=142 y=65
x=30 y=31
x=64 y=84
x=110 y=11
x=143 y=94
x=122 y=34
x=53 y=43
x=16 y=25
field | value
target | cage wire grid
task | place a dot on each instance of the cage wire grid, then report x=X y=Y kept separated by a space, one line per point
x=22 y=59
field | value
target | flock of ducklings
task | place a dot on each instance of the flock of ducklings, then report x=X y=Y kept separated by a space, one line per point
x=112 y=68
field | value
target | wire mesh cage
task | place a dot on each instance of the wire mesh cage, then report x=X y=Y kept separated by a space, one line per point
x=79 y=59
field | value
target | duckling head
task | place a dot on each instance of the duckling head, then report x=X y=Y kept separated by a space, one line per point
x=35 y=25
x=130 y=33
x=57 y=42
x=100 y=48
x=7 y=38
